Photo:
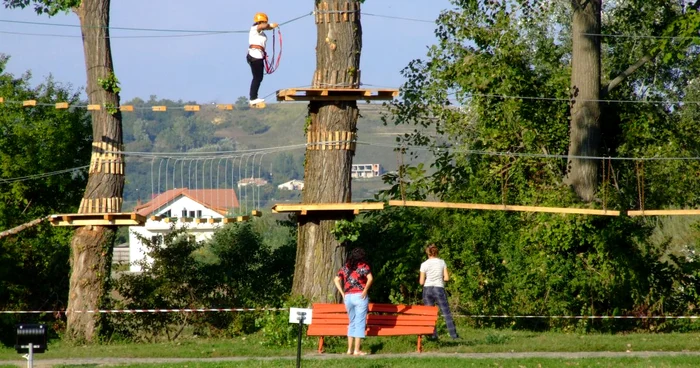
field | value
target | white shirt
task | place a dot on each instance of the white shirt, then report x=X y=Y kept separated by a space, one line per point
x=433 y=269
x=256 y=38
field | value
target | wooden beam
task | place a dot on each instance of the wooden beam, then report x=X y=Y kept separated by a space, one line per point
x=500 y=207
x=664 y=213
x=306 y=208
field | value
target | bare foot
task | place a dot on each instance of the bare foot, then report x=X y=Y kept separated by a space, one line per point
x=359 y=353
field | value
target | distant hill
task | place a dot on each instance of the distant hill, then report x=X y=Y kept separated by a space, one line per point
x=212 y=129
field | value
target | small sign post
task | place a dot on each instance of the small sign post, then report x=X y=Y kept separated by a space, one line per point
x=301 y=316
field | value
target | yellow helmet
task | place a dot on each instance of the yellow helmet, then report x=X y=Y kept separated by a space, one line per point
x=260 y=17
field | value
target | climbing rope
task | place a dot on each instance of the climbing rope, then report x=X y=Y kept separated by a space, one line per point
x=271 y=64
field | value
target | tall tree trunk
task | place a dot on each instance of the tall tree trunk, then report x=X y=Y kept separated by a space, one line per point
x=584 y=135
x=91 y=246
x=327 y=171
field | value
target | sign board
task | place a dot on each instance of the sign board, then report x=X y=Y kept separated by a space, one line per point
x=295 y=315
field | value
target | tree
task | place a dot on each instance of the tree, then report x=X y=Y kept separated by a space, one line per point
x=585 y=107
x=34 y=263
x=91 y=247
x=508 y=64
x=327 y=173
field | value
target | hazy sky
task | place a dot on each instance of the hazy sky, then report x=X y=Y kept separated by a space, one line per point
x=212 y=68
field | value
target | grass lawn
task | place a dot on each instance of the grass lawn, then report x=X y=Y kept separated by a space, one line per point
x=472 y=341
x=438 y=362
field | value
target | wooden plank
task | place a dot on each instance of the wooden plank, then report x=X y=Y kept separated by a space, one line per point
x=328 y=207
x=126 y=108
x=98 y=219
x=94 y=107
x=159 y=108
x=224 y=107
x=200 y=220
x=157 y=218
x=500 y=207
x=378 y=308
x=192 y=107
x=29 y=103
x=61 y=105
x=214 y=220
x=186 y=219
x=256 y=213
x=664 y=213
x=370 y=330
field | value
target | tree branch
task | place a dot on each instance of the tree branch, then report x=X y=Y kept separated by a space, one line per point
x=629 y=71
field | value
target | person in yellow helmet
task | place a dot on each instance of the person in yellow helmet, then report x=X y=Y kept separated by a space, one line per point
x=256 y=53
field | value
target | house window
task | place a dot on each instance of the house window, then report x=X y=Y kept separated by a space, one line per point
x=166 y=214
x=191 y=214
x=199 y=213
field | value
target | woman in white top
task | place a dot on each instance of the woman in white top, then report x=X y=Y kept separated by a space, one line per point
x=433 y=274
x=256 y=53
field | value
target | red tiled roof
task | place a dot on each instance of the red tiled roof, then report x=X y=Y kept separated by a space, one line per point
x=219 y=200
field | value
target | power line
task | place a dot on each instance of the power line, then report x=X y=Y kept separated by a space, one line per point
x=399 y=18
x=43 y=175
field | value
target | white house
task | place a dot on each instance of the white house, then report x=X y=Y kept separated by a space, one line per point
x=190 y=208
x=292 y=185
x=365 y=171
x=258 y=182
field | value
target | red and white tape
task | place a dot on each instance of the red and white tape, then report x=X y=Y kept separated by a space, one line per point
x=573 y=317
x=158 y=310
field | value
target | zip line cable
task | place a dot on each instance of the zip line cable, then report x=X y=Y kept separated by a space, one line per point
x=183 y=32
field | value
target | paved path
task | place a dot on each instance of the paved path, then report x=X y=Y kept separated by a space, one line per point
x=40 y=363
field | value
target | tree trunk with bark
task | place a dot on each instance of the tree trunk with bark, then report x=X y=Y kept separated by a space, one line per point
x=328 y=165
x=91 y=246
x=582 y=174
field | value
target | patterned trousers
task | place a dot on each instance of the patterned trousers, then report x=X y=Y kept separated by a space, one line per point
x=436 y=295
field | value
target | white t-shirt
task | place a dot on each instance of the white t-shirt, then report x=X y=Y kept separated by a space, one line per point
x=256 y=38
x=433 y=269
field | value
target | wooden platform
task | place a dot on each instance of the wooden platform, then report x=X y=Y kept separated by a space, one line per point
x=99 y=219
x=304 y=209
x=500 y=207
x=336 y=94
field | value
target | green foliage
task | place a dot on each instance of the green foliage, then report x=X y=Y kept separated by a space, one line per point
x=110 y=84
x=275 y=327
x=229 y=271
x=50 y=7
x=346 y=231
x=34 y=263
x=543 y=264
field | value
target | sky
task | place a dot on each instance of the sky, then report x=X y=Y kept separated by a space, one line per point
x=212 y=68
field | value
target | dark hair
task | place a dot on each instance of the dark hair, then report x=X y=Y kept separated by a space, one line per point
x=356 y=256
x=431 y=250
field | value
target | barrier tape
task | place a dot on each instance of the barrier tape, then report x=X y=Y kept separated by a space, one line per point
x=194 y=310
x=574 y=317
x=184 y=310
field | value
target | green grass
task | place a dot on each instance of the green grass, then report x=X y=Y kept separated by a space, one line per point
x=685 y=361
x=473 y=341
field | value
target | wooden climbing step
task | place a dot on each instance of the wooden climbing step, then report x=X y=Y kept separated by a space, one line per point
x=336 y=94
x=304 y=209
x=99 y=219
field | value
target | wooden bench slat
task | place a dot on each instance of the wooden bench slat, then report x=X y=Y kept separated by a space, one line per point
x=327 y=318
x=375 y=307
x=370 y=330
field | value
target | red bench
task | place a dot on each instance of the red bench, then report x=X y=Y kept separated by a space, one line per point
x=382 y=320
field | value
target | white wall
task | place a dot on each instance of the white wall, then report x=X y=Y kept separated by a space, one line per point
x=202 y=231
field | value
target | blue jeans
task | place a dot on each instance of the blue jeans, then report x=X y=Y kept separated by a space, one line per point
x=357 y=313
x=436 y=295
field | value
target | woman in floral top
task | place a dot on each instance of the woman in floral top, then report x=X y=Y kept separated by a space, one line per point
x=353 y=282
